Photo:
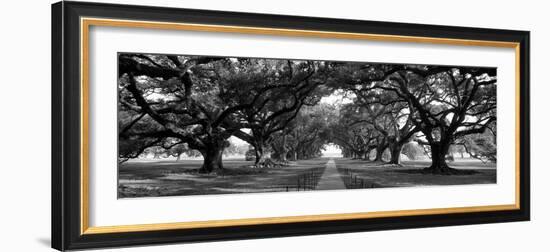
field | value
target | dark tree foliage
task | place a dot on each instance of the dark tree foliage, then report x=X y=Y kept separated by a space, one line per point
x=307 y=134
x=479 y=146
x=443 y=103
x=199 y=101
x=291 y=84
x=353 y=132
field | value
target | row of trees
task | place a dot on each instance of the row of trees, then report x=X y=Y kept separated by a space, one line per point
x=306 y=136
x=183 y=150
x=168 y=101
x=438 y=107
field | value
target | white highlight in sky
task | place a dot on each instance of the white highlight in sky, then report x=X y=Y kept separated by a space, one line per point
x=336 y=97
x=331 y=150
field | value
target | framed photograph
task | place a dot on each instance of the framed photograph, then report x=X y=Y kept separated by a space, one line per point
x=181 y=125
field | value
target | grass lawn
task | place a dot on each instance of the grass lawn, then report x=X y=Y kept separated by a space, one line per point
x=375 y=175
x=171 y=178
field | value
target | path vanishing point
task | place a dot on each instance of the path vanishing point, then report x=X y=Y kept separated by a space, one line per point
x=330 y=180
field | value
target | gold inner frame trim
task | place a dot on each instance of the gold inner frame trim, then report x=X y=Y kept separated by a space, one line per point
x=289 y=219
x=86 y=23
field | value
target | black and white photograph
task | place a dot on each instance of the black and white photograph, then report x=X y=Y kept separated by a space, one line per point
x=197 y=125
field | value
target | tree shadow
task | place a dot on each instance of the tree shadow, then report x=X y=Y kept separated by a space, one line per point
x=429 y=172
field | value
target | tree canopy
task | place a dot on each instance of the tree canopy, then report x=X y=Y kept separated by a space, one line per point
x=179 y=104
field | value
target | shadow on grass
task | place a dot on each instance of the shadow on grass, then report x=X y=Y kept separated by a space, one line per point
x=169 y=178
x=431 y=172
x=413 y=173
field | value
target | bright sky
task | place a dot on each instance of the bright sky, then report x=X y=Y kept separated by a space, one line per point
x=335 y=98
x=237 y=141
x=331 y=150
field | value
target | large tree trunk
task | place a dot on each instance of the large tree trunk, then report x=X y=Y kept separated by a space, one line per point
x=396 y=153
x=263 y=157
x=439 y=164
x=212 y=159
x=264 y=160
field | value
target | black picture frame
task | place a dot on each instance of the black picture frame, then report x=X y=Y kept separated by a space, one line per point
x=66 y=125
